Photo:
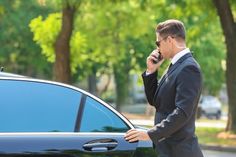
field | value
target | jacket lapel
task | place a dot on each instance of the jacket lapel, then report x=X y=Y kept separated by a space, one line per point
x=172 y=68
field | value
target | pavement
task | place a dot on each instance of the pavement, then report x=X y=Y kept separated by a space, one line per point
x=219 y=148
x=210 y=153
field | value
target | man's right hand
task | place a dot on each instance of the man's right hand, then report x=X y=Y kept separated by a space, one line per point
x=152 y=67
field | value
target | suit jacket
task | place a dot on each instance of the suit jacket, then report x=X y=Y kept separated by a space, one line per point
x=175 y=98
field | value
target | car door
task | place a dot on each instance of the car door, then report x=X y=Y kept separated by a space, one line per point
x=41 y=118
x=106 y=127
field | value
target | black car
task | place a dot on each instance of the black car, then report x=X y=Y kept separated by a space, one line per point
x=44 y=118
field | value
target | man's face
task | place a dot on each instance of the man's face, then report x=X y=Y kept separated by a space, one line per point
x=164 y=45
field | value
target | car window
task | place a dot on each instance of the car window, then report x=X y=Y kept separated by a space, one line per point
x=98 y=118
x=37 y=107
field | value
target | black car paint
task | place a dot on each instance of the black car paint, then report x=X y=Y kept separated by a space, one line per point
x=63 y=143
x=71 y=144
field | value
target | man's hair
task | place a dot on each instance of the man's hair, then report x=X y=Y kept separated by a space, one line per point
x=174 y=28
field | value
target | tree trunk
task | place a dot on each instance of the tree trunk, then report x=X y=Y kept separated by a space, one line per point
x=122 y=86
x=229 y=28
x=100 y=92
x=92 y=84
x=62 y=71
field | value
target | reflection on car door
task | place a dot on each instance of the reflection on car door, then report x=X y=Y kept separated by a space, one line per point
x=65 y=144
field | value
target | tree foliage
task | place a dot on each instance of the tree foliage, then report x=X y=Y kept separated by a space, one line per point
x=18 y=52
x=45 y=34
x=113 y=37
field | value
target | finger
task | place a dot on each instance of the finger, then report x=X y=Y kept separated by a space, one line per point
x=130 y=130
x=133 y=140
x=155 y=56
x=150 y=58
x=131 y=136
x=153 y=59
x=130 y=133
x=155 y=51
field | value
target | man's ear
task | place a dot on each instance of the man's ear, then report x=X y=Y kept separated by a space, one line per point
x=171 y=40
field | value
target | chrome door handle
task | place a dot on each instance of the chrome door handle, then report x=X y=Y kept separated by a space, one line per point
x=100 y=146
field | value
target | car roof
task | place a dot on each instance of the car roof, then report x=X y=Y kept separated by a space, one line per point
x=5 y=74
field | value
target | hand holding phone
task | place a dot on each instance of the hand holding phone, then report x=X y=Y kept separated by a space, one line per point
x=154 y=60
x=158 y=58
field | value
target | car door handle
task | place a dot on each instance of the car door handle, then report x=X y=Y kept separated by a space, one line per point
x=100 y=146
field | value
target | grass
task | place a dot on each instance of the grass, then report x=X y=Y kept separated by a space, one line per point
x=205 y=120
x=214 y=136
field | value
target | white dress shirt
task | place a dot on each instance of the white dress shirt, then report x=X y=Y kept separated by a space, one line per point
x=176 y=57
x=179 y=55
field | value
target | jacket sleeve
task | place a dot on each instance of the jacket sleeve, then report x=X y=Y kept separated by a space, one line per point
x=150 y=85
x=188 y=88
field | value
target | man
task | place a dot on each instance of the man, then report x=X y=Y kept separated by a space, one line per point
x=175 y=96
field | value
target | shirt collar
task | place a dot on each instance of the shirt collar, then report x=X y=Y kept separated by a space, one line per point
x=179 y=55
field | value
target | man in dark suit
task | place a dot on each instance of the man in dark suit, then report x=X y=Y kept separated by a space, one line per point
x=175 y=96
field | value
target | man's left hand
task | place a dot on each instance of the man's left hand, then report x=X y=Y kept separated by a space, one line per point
x=136 y=135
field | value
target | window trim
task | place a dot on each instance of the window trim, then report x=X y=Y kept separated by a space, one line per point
x=4 y=134
x=80 y=113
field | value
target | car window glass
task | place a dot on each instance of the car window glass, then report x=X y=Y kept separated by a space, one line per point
x=98 y=118
x=37 y=107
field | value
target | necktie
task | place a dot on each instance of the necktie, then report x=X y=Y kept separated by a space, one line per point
x=169 y=67
x=166 y=71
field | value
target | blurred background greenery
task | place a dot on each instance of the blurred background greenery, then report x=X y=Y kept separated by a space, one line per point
x=101 y=45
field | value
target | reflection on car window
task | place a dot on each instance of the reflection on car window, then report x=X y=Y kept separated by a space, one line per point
x=37 y=107
x=98 y=118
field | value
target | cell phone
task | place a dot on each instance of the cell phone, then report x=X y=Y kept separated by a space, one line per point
x=159 y=58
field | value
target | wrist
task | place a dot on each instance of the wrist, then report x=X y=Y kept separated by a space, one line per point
x=150 y=71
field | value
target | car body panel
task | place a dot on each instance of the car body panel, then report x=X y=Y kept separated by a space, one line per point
x=62 y=143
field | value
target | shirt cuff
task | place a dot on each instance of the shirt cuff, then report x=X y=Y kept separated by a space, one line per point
x=148 y=73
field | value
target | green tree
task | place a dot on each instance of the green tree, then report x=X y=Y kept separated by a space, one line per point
x=127 y=31
x=62 y=44
x=117 y=36
x=55 y=36
x=18 y=53
x=110 y=29
x=84 y=60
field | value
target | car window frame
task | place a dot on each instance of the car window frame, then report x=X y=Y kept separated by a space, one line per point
x=123 y=118
x=109 y=107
